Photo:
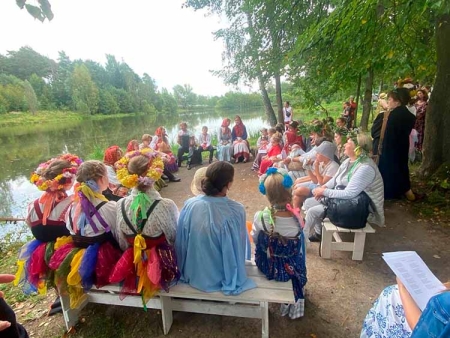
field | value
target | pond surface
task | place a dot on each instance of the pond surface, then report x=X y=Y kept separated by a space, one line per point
x=22 y=151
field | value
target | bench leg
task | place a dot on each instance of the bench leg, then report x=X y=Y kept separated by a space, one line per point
x=265 y=319
x=166 y=312
x=325 y=244
x=71 y=316
x=358 y=246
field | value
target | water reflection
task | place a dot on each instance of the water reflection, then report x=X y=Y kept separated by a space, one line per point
x=21 y=153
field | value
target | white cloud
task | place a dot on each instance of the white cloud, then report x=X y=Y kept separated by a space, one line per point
x=171 y=44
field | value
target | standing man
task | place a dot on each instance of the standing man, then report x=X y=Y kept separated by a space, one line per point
x=287 y=114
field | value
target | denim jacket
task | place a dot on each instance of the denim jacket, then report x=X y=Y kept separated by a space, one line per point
x=435 y=319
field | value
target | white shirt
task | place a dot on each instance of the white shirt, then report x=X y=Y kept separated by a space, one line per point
x=285 y=111
x=107 y=211
x=285 y=226
x=202 y=138
x=58 y=213
x=163 y=218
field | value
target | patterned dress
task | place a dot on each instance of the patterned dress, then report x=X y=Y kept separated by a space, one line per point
x=386 y=318
x=421 y=110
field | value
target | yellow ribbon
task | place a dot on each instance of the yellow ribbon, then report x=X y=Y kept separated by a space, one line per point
x=138 y=247
x=89 y=193
x=20 y=270
x=60 y=241
x=42 y=287
x=74 y=277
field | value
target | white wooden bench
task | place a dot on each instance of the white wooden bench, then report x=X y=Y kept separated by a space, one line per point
x=330 y=232
x=253 y=303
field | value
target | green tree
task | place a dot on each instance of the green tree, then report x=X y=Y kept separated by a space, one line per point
x=107 y=103
x=84 y=91
x=169 y=103
x=60 y=84
x=30 y=97
x=184 y=95
x=25 y=62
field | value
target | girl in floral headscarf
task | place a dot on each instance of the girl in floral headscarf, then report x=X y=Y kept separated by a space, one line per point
x=145 y=230
x=46 y=219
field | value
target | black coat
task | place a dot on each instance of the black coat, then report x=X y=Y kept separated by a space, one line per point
x=393 y=162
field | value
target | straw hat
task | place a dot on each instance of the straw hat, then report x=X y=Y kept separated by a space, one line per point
x=196 y=184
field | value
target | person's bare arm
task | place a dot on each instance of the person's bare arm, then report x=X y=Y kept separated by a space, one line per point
x=412 y=311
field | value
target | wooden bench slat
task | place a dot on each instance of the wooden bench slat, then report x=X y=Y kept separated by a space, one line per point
x=221 y=309
x=249 y=296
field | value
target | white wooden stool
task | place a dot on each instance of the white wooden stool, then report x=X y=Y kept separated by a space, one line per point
x=330 y=232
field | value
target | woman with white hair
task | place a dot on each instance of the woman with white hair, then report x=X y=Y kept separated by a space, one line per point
x=357 y=174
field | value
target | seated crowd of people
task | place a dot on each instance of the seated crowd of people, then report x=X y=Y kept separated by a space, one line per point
x=117 y=228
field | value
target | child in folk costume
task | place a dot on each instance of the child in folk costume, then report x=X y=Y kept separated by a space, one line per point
x=46 y=219
x=262 y=144
x=204 y=143
x=133 y=145
x=273 y=155
x=279 y=240
x=87 y=256
x=146 y=140
x=146 y=229
x=291 y=137
x=160 y=142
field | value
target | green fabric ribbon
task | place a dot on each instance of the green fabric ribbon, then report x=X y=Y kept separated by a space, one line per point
x=141 y=203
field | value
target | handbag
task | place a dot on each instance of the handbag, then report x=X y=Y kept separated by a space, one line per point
x=347 y=213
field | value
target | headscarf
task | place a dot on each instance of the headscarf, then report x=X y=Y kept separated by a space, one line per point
x=130 y=146
x=239 y=128
x=111 y=155
x=225 y=128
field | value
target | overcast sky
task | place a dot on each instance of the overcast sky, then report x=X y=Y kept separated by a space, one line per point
x=171 y=44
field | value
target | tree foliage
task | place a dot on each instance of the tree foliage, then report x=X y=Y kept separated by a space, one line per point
x=41 y=12
x=87 y=86
x=30 y=97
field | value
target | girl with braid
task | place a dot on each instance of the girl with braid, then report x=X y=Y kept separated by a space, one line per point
x=87 y=256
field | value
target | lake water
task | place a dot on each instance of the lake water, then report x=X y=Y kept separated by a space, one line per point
x=22 y=151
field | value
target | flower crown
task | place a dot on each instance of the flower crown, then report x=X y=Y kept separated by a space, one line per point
x=154 y=172
x=359 y=151
x=59 y=182
x=287 y=180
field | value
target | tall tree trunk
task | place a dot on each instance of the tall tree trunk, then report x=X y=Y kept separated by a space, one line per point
x=262 y=85
x=436 y=143
x=279 y=98
x=358 y=94
x=270 y=113
x=367 y=103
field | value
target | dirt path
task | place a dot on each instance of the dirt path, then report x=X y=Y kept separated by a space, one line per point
x=339 y=291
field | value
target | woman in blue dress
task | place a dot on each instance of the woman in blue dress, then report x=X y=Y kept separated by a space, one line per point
x=212 y=237
x=224 y=141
